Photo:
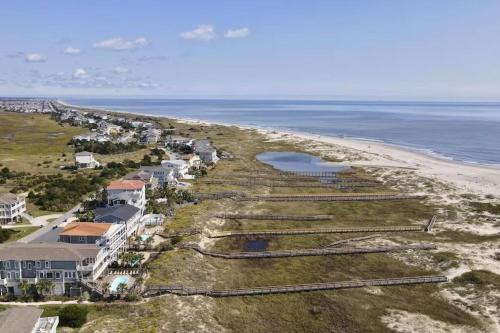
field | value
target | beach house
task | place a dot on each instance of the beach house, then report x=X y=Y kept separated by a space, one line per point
x=146 y=176
x=65 y=265
x=11 y=208
x=85 y=160
x=192 y=160
x=163 y=175
x=127 y=215
x=176 y=140
x=180 y=167
x=150 y=136
x=206 y=151
x=127 y=192
x=111 y=237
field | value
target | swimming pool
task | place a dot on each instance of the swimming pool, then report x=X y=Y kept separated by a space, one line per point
x=117 y=281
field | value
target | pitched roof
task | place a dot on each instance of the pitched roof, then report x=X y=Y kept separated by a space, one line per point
x=50 y=251
x=8 y=198
x=85 y=229
x=143 y=175
x=83 y=153
x=115 y=213
x=21 y=319
x=125 y=185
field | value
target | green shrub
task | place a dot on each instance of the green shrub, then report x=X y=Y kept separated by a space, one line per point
x=478 y=277
x=73 y=316
x=176 y=239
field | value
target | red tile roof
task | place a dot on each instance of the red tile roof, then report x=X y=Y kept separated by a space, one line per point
x=85 y=229
x=126 y=185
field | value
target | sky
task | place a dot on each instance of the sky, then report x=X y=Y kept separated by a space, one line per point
x=351 y=49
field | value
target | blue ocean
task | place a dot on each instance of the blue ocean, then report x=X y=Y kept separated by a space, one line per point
x=464 y=131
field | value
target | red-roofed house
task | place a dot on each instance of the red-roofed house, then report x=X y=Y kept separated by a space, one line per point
x=109 y=237
x=127 y=192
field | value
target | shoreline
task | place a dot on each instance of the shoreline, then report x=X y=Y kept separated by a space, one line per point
x=472 y=177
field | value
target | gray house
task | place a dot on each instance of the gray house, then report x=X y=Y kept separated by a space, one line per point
x=206 y=151
x=121 y=214
x=64 y=264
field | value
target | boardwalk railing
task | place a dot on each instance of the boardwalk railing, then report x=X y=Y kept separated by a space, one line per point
x=92 y=287
x=252 y=182
x=429 y=225
x=218 y=195
x=332 y=197
x=320 y=174
x=312 y=252
x=351 y=240
x=315 y=231
x=288 y=178
x=275 y=217
x=186 y=291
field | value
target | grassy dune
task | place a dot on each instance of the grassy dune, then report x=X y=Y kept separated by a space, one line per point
x=29 y=139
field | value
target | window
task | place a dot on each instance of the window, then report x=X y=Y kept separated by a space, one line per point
x=47 y=264
x=29 y=265
x=58 y=275
x=16 y=264
x=24 y=264
x=40 y=275
x=66 y=274
x=17 y=275
x=7 y=265
x=38 y=264
x=49 y=275
x=8 y=275
x=82 y=239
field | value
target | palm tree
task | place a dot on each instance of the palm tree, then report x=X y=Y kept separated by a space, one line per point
x=40 y=286
x=105 y=287
x=138 y=239
x=24 y=285
x=49 y=286
x=121 y=288
x=148 y=241
x=139 y=280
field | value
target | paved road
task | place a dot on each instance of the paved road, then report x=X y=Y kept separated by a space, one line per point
x=46 y=229
x=40 y=220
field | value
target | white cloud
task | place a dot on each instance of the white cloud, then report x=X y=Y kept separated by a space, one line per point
x=71 y=50
x=120 y=44
x=237 y=33
x=203 y=32
x=121 y=70
x=80 y=73
x=34 y=57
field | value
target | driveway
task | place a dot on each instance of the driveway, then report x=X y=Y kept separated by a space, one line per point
x=39 y=233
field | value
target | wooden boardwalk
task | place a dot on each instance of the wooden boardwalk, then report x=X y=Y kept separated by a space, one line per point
x=315 y=231
x=275 y=217
x=155 y=290
x=288 y=184
x=351 y=240
x=431 y=223
x=312 y=252
x=332 y=197
x=218 y=195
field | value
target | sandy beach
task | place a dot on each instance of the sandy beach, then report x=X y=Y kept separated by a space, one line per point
x=478 y=179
